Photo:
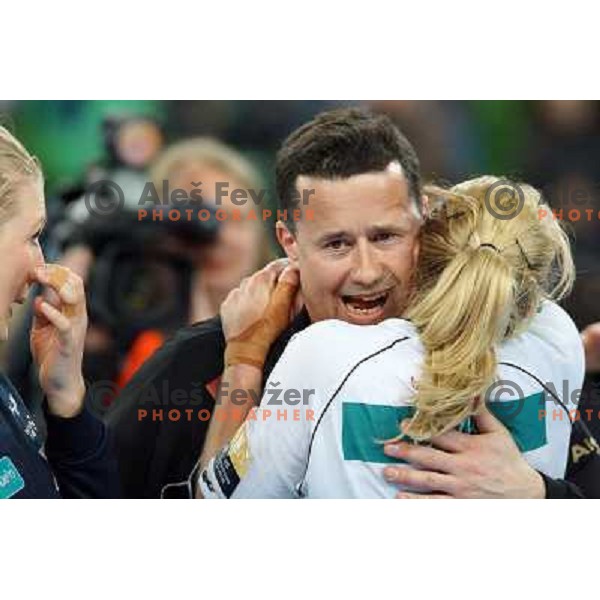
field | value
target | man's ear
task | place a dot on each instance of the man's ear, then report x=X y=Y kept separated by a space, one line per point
x=415 y=251
x=287 y=240
x=417 y=244
x=425 y=207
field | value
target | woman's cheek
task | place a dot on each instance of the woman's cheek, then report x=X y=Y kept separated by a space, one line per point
x=245 y=244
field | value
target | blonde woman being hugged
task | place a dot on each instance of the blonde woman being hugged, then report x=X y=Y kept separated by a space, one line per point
x=482 y=327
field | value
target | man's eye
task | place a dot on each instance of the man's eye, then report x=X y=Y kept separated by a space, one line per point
x=385 y=237
x=336 y=245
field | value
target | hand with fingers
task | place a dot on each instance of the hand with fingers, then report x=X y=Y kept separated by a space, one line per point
x=462 y=465
x=258 y=311
x=591 y=344
x=57 y=339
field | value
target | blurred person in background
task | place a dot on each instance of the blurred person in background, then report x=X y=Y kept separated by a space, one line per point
x=68 y=135
x=242 y=246
x=76 y=460
x=239 y=249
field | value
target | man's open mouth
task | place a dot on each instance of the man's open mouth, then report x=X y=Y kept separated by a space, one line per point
x=366 y=304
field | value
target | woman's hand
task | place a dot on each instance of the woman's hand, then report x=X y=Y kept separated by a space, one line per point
x=57 y=339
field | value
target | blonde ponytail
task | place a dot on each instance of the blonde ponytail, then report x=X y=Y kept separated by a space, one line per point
x=480 y=280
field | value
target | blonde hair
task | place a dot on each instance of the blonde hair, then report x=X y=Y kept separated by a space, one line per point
x=480 y=279
x=211 y=152
x=206 y=151
x=16 y=164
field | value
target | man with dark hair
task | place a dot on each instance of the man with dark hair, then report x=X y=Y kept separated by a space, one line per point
x=355 y=257
x=357 y=253
x=341 y=143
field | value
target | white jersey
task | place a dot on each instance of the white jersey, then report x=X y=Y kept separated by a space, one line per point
x=339 y=390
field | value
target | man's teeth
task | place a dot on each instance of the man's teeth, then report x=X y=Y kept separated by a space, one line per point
x=364 y=311
x=366 y=304
x=374 y=298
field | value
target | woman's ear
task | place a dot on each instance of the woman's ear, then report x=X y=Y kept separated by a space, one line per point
x=287 y=240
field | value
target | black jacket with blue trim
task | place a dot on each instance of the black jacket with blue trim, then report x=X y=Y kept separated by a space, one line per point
x=76 y=462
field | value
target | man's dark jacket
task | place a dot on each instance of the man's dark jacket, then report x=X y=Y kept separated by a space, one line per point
x=153 y=453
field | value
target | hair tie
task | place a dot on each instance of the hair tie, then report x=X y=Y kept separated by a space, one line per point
x=489 y=246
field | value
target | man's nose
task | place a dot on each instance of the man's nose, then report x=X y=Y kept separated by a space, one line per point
x=367 y=268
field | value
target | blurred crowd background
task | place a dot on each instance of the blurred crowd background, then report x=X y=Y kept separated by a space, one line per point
x=132 y=271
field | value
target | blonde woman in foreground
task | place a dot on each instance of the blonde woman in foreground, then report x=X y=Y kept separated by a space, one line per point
x=76 y=460
x=482 y=326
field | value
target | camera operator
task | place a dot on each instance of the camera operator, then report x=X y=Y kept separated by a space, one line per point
x=139 y=277
x=242 y=246
x=211 y=270
x=201 y=166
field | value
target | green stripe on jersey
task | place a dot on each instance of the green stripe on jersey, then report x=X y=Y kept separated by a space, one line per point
x=365 y=426
x=523 y=419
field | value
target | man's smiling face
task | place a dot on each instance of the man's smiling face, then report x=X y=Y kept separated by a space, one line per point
x=358 y=251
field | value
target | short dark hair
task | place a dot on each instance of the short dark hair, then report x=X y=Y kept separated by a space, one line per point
x=340 y=143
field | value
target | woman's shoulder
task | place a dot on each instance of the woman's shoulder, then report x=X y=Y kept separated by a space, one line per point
x=551 y=338
x=333 y=342
x=553 y=324
x=320 y=356
x=331 y=330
